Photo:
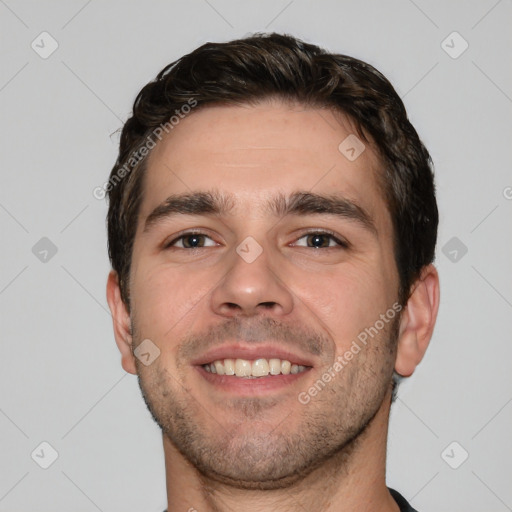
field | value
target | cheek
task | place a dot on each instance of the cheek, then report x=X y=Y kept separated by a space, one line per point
x=165 y=300
x=344 y=302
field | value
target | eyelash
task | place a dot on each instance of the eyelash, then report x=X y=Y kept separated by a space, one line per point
x=343 y=244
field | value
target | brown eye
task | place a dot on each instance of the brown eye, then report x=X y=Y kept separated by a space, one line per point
x=190 y=241
x=321 y=240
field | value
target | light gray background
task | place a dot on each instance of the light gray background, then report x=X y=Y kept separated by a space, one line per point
x=61 y=380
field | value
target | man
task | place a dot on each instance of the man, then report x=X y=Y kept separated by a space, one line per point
x=272 y=226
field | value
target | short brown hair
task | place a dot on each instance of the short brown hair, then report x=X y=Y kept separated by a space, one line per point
x=280 y=66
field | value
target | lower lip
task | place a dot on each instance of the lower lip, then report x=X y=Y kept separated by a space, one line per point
x=251 y=387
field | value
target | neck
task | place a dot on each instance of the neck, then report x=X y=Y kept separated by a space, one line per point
x=352 y=479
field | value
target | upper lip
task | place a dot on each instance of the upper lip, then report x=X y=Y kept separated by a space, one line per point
x=252 y=351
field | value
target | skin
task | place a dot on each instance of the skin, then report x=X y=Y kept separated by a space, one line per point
x=269 y=451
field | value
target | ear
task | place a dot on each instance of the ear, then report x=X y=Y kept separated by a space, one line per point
x=122 y=324
x=417 y=321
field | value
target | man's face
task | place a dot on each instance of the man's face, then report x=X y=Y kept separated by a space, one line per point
x=290 y=292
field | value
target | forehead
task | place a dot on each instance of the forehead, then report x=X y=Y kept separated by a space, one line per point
x=252 y=151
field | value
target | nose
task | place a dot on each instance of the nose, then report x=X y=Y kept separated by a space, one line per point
x=250 y=287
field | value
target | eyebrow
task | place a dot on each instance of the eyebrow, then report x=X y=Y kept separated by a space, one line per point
x=299 y=203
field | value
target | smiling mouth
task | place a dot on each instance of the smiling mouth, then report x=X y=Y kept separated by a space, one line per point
x=256 y=368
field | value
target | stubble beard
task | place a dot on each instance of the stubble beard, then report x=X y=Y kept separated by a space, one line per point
x=248 y=453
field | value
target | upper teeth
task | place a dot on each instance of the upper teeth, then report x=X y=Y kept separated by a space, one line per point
x=256 y=368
